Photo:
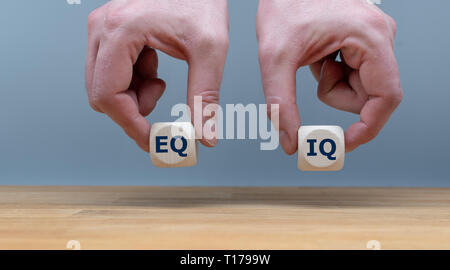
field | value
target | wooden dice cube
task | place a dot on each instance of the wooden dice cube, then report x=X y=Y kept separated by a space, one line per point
x=321 y=148
x=173 y=144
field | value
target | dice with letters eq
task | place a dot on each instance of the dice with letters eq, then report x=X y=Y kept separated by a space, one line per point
x=173 y=144
x=321 y=148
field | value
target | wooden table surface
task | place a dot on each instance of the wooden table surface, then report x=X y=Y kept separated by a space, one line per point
x=223 y=218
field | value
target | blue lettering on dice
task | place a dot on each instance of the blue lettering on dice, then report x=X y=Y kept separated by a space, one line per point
x=183 y=146
x=329 y=154
x=311 y=148
x=162 y=141
x=159 y=143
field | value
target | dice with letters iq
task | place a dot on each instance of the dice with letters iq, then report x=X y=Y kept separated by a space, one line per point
x=321 y=148
x=173 y=144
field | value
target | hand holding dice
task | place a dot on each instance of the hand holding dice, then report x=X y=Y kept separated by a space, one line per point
x=122 y=62
x=349 y=47
x=122 y=79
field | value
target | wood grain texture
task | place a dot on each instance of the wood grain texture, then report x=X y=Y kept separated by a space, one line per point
x=223 y=217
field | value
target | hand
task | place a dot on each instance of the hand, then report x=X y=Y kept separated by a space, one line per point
x=296 y=33
x=121 y=62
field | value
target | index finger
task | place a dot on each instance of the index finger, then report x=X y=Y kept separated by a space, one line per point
x=279 y=85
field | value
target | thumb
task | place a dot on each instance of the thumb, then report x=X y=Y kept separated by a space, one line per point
x=204 y=80
x=279 y=85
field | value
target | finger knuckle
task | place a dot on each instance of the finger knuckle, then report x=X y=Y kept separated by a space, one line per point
x=375 y=19
x=376 y=27
x=274 y=100
x=210 y=96
x=370 y=133
x=394 y=98
x=97 y=101
x=115 y=18
x=95 y=108
x=129 y=125
x=270 y=51
x=282 y=103
x=93 y=18
x=379 y=25
x=212 y=40
x=393 y=25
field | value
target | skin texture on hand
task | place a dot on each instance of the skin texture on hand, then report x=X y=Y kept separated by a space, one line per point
x=121 y=62
x=296 y=33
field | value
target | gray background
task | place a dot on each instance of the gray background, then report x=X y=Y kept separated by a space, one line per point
x=49 y=135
